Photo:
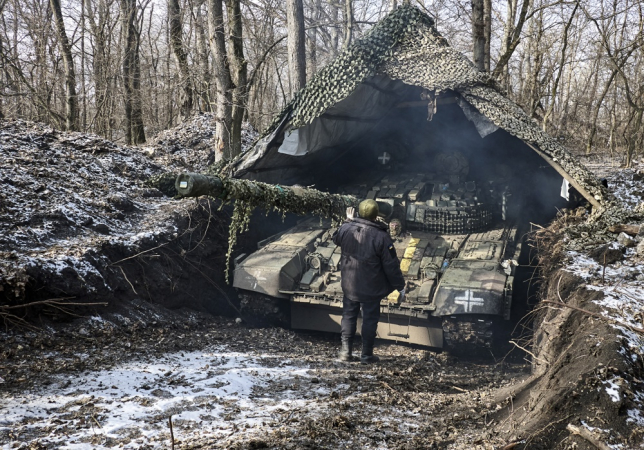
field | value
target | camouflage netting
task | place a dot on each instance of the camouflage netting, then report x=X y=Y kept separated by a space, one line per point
x=406 y=46
x=293 y=199
x=249 y=195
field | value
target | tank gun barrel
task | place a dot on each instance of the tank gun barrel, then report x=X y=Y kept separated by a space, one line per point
x=295 y=199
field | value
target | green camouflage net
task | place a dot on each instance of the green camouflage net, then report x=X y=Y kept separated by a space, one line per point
x=352 y=66
x=249 y=195
x=406 y=46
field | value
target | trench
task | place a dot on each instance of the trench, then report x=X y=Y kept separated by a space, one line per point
x=168 y=348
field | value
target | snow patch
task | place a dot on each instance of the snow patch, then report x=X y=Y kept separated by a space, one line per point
x=217 y=391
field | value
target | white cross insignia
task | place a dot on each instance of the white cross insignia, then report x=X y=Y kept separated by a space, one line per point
x=384 y=158
x=468 y=301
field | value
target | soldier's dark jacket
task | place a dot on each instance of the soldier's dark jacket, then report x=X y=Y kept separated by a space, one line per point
x=369 y=266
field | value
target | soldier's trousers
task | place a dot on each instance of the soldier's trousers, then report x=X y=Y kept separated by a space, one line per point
x=370 y=318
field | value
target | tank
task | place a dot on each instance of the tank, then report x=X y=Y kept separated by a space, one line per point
x=456 y=240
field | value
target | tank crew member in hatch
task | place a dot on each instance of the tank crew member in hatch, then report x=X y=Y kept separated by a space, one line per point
x=370 y=271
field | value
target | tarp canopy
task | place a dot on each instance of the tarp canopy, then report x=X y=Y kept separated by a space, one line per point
x=401 y=92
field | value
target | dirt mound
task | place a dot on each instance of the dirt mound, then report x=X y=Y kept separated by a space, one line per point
x=190 y=145
x=587 y=350
x=79 y=224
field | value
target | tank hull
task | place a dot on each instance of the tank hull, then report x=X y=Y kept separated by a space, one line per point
x=457 y=252
x=414 y=328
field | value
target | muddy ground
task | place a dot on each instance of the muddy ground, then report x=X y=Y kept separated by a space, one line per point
x=300 y=396
x=79 y=225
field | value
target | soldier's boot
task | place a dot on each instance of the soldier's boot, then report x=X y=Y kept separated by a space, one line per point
x=367 y=353
x=346 y=352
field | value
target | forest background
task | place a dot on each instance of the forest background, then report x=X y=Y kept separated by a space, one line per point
x=127 y=69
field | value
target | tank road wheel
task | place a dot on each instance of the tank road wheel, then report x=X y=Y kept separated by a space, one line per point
x=264 y=310
x=468 y=336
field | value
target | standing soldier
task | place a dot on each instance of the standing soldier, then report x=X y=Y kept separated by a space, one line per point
x=370 y=271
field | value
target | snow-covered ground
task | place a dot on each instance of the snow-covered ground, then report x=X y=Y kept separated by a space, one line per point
x=622 y=286
x=216 y=393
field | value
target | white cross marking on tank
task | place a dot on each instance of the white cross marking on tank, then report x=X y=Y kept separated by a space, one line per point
x=384 y=158
x=468 y=300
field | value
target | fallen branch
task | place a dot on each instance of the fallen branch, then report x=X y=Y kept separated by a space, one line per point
x=586 y=434
x=127 y=279
x=385 y=384
x=529 y=352
x=56 y=303
x=52 y=301
x=139 y=254
x=598 y=316
x=171 y=432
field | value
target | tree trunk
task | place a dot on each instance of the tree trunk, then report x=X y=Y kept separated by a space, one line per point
x=316 y=16
x=393 y=4
x=508 y=29
x=487 y=14
x=82 y=69
x=223 y=82
x=514 y=36
x=348 y=23
x=99 y=67
x=239 y=74
x=598 y=105
x=134 y=130
x=631 y=136
x=176 y=42
x=203 y=85
x=334 y=7
x=535 y=59
x=478 y=34
x=71 y=103
x=296 y=44
x=612 y=140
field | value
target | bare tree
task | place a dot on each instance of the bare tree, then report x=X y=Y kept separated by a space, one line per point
x=348 y=23
x=131 y=32
x=312 y=53
x=619 y=48
x=176 y=42
x=71 y=113
x=296 y=44
x=487 y=33
x=562 y=61
x=238 y=72
x=511 y=35
x=223 y=82
x=478 y=33
x=202 y=82
x=582 y=81
x=101 y=26
x=333 y=17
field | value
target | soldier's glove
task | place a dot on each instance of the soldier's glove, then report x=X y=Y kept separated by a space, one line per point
x=351 y=213
x=402 y=295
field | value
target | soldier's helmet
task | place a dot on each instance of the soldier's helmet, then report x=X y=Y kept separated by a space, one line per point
x=368 y=209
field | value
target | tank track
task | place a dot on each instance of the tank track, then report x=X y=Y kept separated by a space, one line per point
x=262 y=309
x=467 y=335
